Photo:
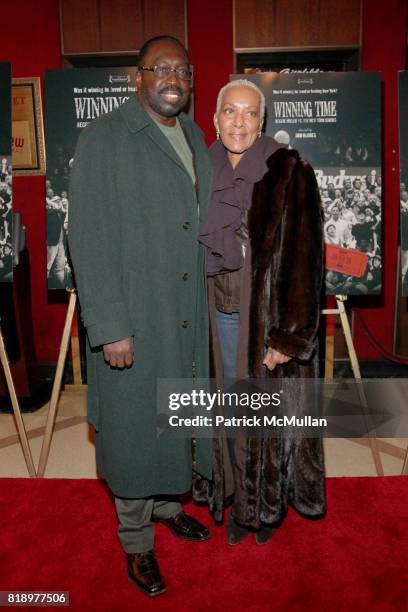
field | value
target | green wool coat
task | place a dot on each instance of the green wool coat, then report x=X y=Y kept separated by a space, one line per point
x=140 y=271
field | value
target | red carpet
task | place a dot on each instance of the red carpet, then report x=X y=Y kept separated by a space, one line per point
x=61 y=535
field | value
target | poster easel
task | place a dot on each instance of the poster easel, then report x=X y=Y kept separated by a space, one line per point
x=56 y=388
x=405 y=465
x=341 y=311
x=16 y=409
x=77 y=384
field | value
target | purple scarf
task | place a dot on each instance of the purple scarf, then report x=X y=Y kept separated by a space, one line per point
x=231 y=197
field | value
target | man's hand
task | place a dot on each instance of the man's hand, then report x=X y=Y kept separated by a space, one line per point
x=119 y=354
x=273 y=358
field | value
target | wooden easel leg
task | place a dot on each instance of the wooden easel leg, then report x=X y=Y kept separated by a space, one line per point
x=77 y=384
x=340 y=299
x=405 y=466
x=56 y=389
x=329 y=358
x=76 y=361
x=16 y=408
x=329 y=348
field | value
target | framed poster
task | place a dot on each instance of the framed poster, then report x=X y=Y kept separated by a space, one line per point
x=28 y=129
x=73 y=98
x=6 y=182
x=403 y=151
x=334 y=120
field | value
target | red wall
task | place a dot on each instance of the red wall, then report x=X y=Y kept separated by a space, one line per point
x=211 y=52
x=384 y=47
x=31 y=41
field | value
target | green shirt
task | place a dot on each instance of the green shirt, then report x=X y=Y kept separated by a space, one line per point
x=177 y=139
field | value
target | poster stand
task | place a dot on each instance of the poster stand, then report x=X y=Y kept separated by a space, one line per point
x=341 y=311
x=56 y=388
x=405 y=466
x=77 y=385
x=16 y=409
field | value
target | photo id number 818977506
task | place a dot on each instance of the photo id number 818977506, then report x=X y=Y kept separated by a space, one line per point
x=34 y=598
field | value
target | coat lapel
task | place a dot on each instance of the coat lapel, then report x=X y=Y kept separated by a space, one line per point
x=137 y=119
x=202 y=163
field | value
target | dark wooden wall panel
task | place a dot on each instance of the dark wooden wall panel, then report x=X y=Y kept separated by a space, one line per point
x=254 y=23
x=121 y=25
x=164 y=17
x=79 y=26
x=340 y=23
x=108 y=26
x=296 y=23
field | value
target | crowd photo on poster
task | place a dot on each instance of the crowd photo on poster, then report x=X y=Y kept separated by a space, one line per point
x=56 y=198
x=403 y=146
x=352 y=220
x=6 y=208
x=404 y=231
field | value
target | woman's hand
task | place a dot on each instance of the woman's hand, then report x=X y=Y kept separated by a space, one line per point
x=274 y=358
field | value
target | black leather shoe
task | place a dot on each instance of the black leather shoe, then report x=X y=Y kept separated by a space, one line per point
x=144 y=572
x=264 y=534
x=186 y=527
x=235 y=533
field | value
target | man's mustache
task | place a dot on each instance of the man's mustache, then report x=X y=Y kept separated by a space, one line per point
x=171 y=89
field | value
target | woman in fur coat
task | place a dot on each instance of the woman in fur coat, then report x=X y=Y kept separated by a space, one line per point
x=264 y=242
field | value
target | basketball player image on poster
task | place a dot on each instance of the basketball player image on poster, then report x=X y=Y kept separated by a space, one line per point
x=73 y=98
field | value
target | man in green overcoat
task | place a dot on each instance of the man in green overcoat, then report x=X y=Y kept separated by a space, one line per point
x=139 y=189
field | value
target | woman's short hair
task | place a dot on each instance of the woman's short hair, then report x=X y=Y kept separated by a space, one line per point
x=241 y=83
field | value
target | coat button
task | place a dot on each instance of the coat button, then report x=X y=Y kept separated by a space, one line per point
x=184 y=324
x=184 y=276
x=186 y=224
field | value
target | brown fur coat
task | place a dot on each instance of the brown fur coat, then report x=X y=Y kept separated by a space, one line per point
x=279 y=308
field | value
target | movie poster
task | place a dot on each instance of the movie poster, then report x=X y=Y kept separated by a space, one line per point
x=73 y=98
x=334 y=120
x=403 y=152
x=6 y=185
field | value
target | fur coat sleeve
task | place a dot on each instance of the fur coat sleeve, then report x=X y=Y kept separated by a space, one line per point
x=285 y=227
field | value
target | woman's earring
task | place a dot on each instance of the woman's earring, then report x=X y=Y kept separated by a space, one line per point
x=218 y=134
x=259 y=133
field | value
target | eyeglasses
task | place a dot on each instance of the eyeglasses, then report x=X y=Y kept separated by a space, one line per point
x=162 y=72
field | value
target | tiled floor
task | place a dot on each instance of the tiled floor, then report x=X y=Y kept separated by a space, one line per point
x=72 y=450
